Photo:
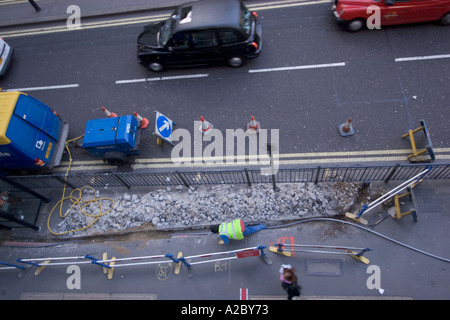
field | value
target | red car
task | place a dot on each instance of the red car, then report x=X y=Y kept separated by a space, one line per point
x=355 y=14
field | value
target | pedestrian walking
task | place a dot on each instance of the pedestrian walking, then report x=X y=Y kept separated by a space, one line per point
x=289 y=281
x=235 y=230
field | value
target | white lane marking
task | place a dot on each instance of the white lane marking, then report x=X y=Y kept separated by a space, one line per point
x=438 y=56
x=311 y=66
x=65 y=86
x=130 y=81
x=202 y=75
x=188 y=76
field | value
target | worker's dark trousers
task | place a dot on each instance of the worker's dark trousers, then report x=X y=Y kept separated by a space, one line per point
x=253 y=229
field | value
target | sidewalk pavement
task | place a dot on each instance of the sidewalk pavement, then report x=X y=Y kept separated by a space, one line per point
x=405 y=273
x=23 y=13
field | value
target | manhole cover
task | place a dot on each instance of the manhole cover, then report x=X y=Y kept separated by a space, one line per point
x=328 y=268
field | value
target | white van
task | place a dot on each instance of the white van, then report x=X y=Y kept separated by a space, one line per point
x=5 y=57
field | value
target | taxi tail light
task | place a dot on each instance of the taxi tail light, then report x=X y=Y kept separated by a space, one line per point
x=255 y=45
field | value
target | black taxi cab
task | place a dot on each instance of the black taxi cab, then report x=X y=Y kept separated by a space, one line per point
x=202 y=32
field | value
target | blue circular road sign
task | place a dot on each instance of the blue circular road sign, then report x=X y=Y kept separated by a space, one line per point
x=164 y=126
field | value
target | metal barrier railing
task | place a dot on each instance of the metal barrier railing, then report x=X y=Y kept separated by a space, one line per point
x=318 y=174
x=366 y=208
x=109 y=265
x=280 y=248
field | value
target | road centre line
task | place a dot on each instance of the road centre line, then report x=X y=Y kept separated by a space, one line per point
x=438 y=56
x=202 y=75
x=311 y=66
x=65 y=86
x=188 y=76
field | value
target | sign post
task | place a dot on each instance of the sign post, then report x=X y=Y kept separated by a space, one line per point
x=163 y=128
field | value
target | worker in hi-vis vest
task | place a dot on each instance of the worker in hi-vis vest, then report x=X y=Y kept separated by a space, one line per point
x=235 y=230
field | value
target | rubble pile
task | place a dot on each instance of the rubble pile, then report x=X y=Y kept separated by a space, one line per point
x=174 y=208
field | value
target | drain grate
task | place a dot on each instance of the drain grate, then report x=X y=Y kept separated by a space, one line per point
x=327 y=268
x=427 y=202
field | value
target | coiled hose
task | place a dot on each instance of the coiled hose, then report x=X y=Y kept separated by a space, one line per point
x=77 y=201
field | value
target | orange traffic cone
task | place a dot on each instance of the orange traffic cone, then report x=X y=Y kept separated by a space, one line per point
x=205 y=127
x=253 y=126
x=108 y=113
x=346 y=129
x=39 y=162
x=144 y=121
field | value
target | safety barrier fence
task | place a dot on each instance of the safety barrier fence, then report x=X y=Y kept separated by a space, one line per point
x=316 y=175
x=287 y=250
x=366 y=208
x=109 y=265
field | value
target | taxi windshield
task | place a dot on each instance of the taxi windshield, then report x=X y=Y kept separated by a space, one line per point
x=165 y=31
x=245 y=22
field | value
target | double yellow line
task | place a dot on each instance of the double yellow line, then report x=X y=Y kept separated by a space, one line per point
x=284 y=159
x=7 y=2
x=145 y=19
x=84 y=26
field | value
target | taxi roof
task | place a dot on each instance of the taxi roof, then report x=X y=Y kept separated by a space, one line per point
x=206 y=14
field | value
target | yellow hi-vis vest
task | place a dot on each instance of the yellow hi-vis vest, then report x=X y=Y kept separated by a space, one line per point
x=232 y=230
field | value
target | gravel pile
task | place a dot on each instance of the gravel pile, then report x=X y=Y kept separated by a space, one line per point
x=176 y=208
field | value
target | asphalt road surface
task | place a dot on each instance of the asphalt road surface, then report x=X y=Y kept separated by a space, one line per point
x=311 y=77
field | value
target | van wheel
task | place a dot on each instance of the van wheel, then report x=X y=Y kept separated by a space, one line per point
x=445 y=20
x=355 y=25
x=115 y=158
x=155 y=66
x=235 y=61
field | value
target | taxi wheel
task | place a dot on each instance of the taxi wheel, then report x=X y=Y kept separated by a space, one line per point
x=235 y=61
x=445 y=20
x=155 y=66
x=355 y=25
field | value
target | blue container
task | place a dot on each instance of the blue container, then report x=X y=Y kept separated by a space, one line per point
x=118 y=134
